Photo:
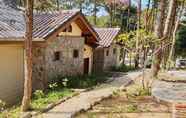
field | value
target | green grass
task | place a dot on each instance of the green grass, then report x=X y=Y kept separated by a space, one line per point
x=123 y=68
x=81 y=82
x=38 y=103
x=51 y=97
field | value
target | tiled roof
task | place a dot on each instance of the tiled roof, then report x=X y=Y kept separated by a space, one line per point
x=107 y=35
x=12 y=23
x=45 y=23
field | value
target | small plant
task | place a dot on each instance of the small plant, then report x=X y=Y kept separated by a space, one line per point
x=39 y=94
x=138 y=90
x=116 y=93
x=2 y=105
x=145 y=92
x=131 y=108
x=53 y=86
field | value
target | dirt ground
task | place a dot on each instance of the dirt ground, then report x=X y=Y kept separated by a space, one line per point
x=120 y=106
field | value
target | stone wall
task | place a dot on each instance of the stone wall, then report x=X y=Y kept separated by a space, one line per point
x=98 y=60
x=112 y=59
x=39 y=78
x=67 y=65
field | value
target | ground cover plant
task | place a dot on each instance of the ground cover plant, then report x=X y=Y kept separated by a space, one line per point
x=40 y=101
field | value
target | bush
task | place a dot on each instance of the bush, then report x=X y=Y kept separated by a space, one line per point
x=85 y=81
x=39 y=94
x=138 y=90
x=123 y=68
x=2 y=105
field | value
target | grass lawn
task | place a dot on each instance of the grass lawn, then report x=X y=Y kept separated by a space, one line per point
x=38 y=103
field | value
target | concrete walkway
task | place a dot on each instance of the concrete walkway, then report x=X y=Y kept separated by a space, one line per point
x=86 y=100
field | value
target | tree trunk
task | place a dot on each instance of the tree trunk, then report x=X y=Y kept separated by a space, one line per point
x=128 y=18
x=95 y=12
x=169 y=18
x=157 y=57
x=28 y=57
x=138 y=35
x=57 y=4
x=171 y=53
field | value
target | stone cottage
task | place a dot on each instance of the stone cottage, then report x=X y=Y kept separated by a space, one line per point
x=68 y=46
x=108 y=53
x=63 y=44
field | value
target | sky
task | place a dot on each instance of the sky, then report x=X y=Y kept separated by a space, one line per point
x=134 y=2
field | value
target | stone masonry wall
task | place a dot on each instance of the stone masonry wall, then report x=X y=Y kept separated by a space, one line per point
x=67 y=65
x=39 y=77
x=112 y=59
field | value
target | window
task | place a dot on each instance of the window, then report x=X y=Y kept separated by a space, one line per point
x=68 y=29
x=121 y=53
x=114 y=51
x=75 y=53
x=107 y=53
x=56 y=56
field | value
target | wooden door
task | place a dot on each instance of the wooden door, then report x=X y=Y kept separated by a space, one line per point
x=86 y=66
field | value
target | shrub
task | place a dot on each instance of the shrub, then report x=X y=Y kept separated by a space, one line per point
x=53 y=86
x=39 y=94
x=84 y=81
x=2 y=105
x=138 y=90
x=123 y=68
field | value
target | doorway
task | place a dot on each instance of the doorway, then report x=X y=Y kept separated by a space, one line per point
x=86 y=66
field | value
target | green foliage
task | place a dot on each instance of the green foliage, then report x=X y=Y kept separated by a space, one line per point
x=53 y=86
x=181 y=42
x=138 y=90
x=39 y=102
x=44 y=5
x=102 y=21
x=131 y=108
x=38 y=94
x=85 y=81
x=2 y=105
x=123 y=68
x=42 y=100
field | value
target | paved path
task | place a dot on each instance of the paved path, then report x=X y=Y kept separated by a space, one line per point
x=169 y=91
x=180 y=74
x=85 y=100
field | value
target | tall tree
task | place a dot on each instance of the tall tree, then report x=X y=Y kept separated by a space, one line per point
x=177 y=22
x=28 y=56
x=159 y=27
x=138 y=34
x=95 y=12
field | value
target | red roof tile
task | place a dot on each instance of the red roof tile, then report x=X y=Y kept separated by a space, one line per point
x=107 y=35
